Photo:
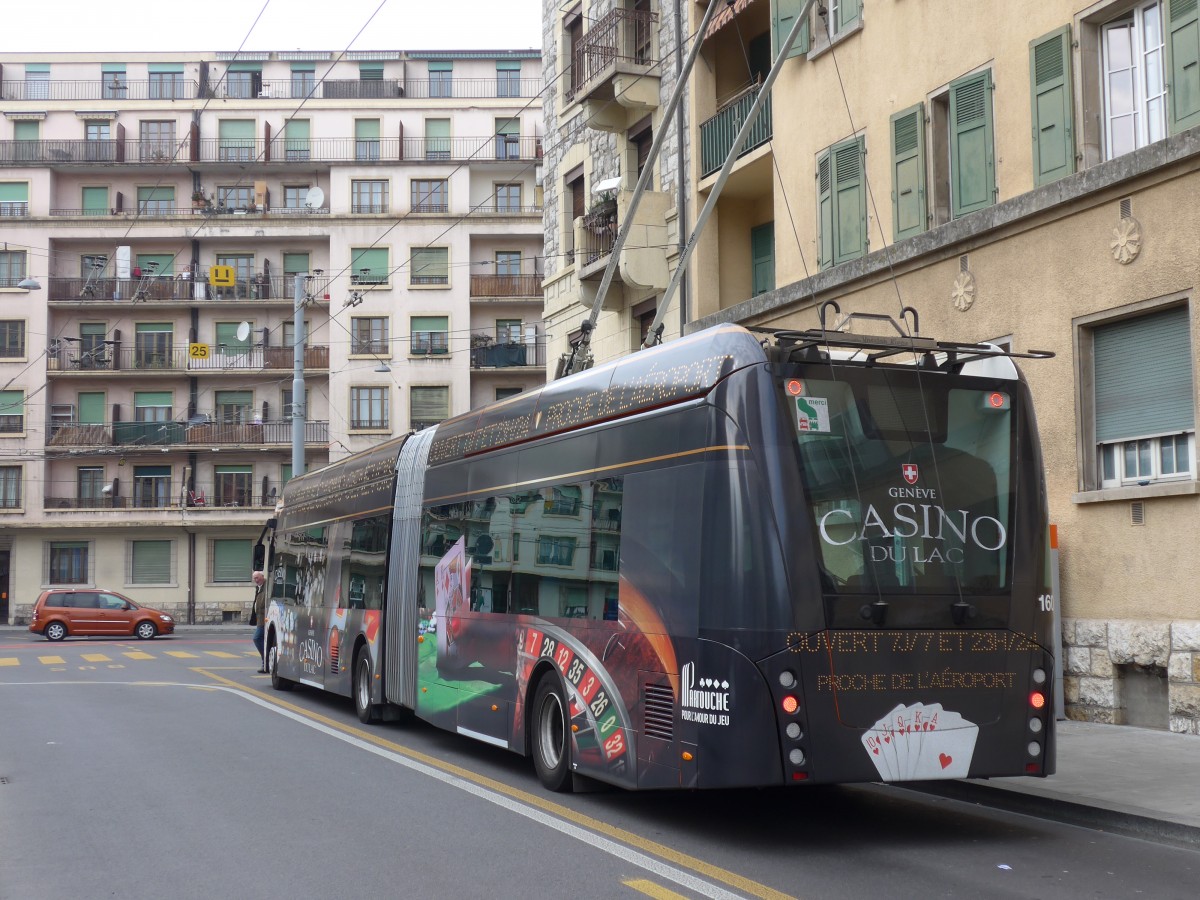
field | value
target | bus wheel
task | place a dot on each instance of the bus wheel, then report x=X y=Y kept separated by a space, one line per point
x=280 y=684
x=367 y=712
x=551 y=739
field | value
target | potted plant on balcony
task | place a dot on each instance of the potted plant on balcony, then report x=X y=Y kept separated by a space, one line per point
x=605 y=206
x=199 y=200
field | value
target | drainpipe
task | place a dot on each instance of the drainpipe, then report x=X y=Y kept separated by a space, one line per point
x=191 y=588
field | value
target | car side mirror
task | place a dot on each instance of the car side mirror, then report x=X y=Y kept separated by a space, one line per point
x=127 y=605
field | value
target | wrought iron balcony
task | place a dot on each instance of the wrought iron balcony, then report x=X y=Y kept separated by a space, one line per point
x=199 y=432
x=149 y=359
x=486 y=353
x=100 y=89
x=168 y=288
x=717 y=133
x=620 y=41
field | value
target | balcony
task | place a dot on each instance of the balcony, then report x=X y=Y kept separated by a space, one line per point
x=487 y=353
x=66 y=356
x=506 y=286
x=643 y=260
x=717 y=133
x=116 y=90
x=200 y=433
x=615 y=61
x=472 y=88
x=174 y=289
x=106 y=152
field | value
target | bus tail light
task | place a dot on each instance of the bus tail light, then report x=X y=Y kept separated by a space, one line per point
x=1037 y=699
x=790 y=704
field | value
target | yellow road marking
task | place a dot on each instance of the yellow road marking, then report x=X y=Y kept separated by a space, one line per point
x=646 y=845
x=9 y=661
x=182 y=654
x=138 y=654
x=222 y=654
x=52 y=660
x=650 y=889
x=96 y=657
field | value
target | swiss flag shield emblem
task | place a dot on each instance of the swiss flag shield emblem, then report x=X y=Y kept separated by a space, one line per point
x=909 y=471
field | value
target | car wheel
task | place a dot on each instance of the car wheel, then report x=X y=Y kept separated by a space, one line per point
x=55 y=631
x=551 y=735
x=280 y=684
x=145 y=631
x=367 y=712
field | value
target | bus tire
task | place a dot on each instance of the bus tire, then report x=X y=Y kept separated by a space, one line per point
x=277 y=682
x=551 y=735
x=367 y=711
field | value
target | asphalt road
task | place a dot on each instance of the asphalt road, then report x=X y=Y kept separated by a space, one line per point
x=169 y=769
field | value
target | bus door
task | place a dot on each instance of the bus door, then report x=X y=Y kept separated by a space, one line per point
x=309 y=587
x=356 y=615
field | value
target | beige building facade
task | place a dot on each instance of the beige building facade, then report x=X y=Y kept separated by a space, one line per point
x=146 y=414
x=1018 y=173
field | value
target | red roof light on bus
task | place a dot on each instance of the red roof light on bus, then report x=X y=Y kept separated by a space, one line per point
x=790 y=704
x=997 y=400
x=1037 y=699
x=795 y=387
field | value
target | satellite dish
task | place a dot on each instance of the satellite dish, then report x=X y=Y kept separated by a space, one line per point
x=243 y=331
x=315 y=198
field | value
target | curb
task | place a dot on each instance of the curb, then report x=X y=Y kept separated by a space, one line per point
x=1042 y=806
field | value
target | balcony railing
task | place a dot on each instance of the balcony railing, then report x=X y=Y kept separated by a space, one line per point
x=508 y=355
x=168 y=288
x=163 y=434
x=68 y=356
x=622 y=35
x=506 y=286
x=170 y=89
x=163 y=212
x=717 y=133
x=472 y=88
x=599 y=234
x=62 y=152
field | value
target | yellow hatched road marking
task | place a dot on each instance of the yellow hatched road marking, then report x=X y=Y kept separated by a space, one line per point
x=9 y=661
x=650 y=889
x=221 y=654
x=137 y=654
x=52 y=660
x=182 y=654
x=96 y=657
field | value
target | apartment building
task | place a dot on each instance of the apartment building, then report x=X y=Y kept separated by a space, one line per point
x=610 y=67
x=157 y=214
x=1022 y=173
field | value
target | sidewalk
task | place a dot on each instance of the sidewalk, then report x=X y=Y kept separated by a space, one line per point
x=1135 y=781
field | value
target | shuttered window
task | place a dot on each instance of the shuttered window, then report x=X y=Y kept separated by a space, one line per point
x=430 y=265
x=236 y=140
x=369 y=265
x=12 y=412
x=231 y=560
x=429 y=334
x=91 y=407
x=783 y=17
x=1050 y=77
x=437 y=138
x=149 y=562
x=295 y=139
x=972 y=145
x=366 y=139
x=842 y=203
x=762 y=254
x=95 y=201
x=429 y=405
x=909 y=215
x=1183 y=63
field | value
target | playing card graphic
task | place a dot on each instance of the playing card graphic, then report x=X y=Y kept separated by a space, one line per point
x=920 y=742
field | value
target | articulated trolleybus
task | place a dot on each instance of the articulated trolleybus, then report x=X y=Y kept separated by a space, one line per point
x=798 y=557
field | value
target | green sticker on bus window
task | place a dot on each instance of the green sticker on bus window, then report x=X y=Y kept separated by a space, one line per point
x=812 y=414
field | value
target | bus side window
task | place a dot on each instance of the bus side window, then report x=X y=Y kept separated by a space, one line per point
x=364 y=562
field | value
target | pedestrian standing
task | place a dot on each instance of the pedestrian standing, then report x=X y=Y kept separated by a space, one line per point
x=258 y=616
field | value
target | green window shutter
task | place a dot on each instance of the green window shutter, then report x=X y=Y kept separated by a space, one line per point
x=1183 y=64
x=158 y=194
x=151 y=471
x=848 y=13
x=437 y=128
x=166 y=261
x=972 y=146
x=783 y=17
x=441 y=66
x=824 y=211
x=231 y=560
x=431 y=263
x=95 y=200
x=850 y=202
x=374 y=259
x=14 y=192
x=235 y=470
x=1137 y=399
x=429 y=404
x=294 y=263
x=91 y=407
x=150 y=562
x=304 y=67
x=508 y=65
x=762 y=255
x=227 y=335
x=297 y=130
x=506 y=126
x=151 y=398
x=165 y=68
x=112 y=68
x=908 y=172
x=245 y=67
x=429 y=323
x=244 y=399
x=12 y=403
x=235 y=133
x=1050 y=78
x=366 y=129
x=370 y=71
x=41 y=68
x=26 y=131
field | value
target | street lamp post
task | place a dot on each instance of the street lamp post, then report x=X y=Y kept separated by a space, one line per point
x=298 y=412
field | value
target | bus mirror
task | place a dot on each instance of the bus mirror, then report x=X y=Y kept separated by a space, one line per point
x=260 y=557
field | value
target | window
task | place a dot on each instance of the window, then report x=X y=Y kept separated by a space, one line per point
x=90 y=484
x=508 y=331
x=508 y=198
x=508 y=262
x=1133 y=67
x=368 y=408
x=762 y=258
x=12 y=268
x=12 y=412
x=12 y=338
x=151 y=486
x=157 y=141
x=575 y=206
x=286 y=405
x=14 y=199
x=243 y=85
x=556 y=551
x=152 y=345
x=294 y=196
x=366 y=140
x=37 y=81
x=1144 y=415
x=972 y=172
x=154 y=264
x=289 y=333
x=508 y=139
x=167 y=83
x=429 y=335
x=428 y=406
x=429 y=195
x=10 y=487
x=233 y=407
x=303 y=80
x=114 y=85
x=368 y=196
x=235 y=140
x=296 y=146
x=294 y=264
x=430 y=265
x=235 y=196
x=149 y=562
x=1053 y=141
x=98 y=146
x=841 y=16
x=227 y=340
x=369 y=265
x=95 y=203
x=842 y=209
x=503 y=393
x=908 y=172
x=152 y=406
x=441 y=78
x=231 y=560
x=369 y=335
x=68 y=562
x=156 y=201
x=437 y=138
x=232 y=485
x=508 y=78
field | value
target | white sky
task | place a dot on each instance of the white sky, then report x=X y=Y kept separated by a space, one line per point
x=128 y=25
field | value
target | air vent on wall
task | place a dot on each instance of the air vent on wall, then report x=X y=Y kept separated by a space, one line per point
x=658 y=712
x=962 y=263
x=1126 y=207
x=1137 y=513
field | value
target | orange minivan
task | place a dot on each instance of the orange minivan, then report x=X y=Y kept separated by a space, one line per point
x=85 y=613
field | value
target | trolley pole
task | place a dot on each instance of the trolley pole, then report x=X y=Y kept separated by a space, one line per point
x=298 y=377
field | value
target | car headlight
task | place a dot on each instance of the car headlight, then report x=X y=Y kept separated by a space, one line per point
x=166 y=618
